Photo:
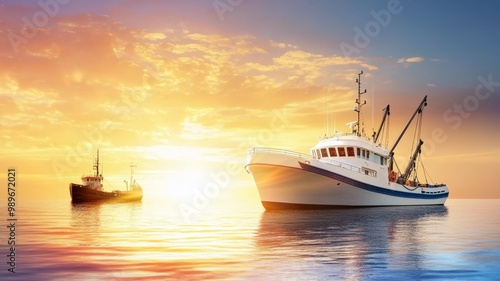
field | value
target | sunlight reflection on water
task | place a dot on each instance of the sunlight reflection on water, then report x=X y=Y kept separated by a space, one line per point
x=150 y=240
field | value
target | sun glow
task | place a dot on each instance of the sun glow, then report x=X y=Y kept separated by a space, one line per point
x=172 y=184
x=183 y=181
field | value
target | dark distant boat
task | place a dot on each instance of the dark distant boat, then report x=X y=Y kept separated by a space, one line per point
x=91 y=189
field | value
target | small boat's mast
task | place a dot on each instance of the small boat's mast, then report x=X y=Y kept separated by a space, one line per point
x=131 y=173
x=96 y=164
x=359 y=104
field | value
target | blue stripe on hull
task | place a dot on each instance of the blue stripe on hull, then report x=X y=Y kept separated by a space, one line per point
x=369 y=187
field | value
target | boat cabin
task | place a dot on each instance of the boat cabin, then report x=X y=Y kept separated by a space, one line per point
x=348 y=151
x=93 y=182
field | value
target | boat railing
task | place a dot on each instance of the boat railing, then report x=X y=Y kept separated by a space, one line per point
x=307 y=156
x=342 y=165
x=279 y=151
x=353 y=168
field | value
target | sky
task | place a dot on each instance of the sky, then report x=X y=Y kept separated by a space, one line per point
x=183 y=89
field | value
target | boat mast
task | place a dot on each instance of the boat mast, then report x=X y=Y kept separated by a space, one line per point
x=96 y=164
x=131 y=173
x=387 y=112
x=359 y=104
x=419 y=111
x=404 y=177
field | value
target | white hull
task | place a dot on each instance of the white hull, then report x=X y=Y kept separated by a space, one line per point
x=292 y=180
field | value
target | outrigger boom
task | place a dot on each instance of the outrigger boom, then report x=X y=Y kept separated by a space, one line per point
x=419 y=111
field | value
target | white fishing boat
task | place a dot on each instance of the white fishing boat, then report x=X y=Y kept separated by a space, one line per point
x=344 y=170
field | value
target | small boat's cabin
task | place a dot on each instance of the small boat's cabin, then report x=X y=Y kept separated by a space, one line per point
x=134 y=186
x=348 y=151
x=93 y=182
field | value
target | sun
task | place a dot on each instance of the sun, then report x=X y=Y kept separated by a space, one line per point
x=174 y=184
x=182 y=182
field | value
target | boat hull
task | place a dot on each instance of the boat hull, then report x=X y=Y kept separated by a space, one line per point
x=291 y=182
x=80 y=193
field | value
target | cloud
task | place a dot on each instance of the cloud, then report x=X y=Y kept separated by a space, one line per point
x=282 y=45
x=158 y=87
x=154 y=36
x=406 y=62
x=411 y=60
x=308 y=67
x=431 y=85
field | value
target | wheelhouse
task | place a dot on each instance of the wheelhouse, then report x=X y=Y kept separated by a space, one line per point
x=349 y=151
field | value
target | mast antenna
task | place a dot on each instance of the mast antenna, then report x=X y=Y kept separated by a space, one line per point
x=131 y=173
x=357 y=108
x=373 y=104
x=326 y=109
x=96 y=164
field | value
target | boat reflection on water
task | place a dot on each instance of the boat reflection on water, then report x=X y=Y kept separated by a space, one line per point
x=347 y=243
x=101 y=222
x=103 y=213
x=86 y=214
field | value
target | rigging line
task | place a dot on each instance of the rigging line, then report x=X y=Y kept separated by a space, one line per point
x=423 y=168
x=427 y=173
x=382 y=132
x=373 y=104
x=326 y=118
x=413 y=140
x=421 y=120
x=417 y=135
x=110 y=184
x=420 y=125
x=415 y=172
x=397 y=167
x=326 y=109
x=388 y=128
x=362 y=121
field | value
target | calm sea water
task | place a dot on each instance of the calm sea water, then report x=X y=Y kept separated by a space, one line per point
x=58 y=240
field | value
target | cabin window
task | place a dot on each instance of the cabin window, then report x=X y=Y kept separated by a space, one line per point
x=318 y=153
x=358 y=150
x=350 y=151
x=369 y=172
x=367 y=154
x=333 y=151
x=342 y=151
x=324 y=153
x=381 y=160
